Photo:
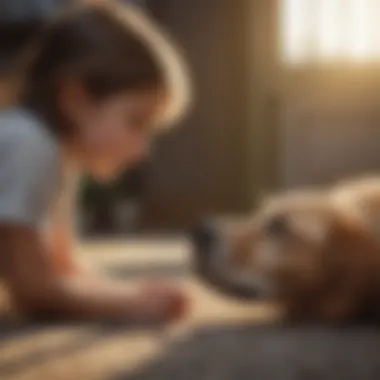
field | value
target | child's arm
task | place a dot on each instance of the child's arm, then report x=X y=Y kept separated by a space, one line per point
x=61 y=233
x=61 y=241
x=29 y=179
x=61 y=246
x=37 y=288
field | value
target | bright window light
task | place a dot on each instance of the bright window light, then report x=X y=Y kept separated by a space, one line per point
x=330 y=30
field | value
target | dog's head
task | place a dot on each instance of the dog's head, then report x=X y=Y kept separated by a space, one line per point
x=316 y=259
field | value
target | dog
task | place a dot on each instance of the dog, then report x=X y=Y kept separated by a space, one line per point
x=314 y=253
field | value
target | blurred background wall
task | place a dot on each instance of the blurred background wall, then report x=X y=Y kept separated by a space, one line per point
x=200 y=167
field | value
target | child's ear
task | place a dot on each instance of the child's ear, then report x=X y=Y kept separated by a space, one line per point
x=73 y=99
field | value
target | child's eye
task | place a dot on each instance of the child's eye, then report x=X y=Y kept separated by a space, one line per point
x=138 y=126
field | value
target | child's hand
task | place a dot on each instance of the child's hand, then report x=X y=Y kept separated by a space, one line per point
x=161 y=303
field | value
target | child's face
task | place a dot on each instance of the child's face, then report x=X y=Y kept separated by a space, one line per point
x=115 y=133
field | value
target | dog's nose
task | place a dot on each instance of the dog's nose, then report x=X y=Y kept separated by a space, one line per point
x=204 y=235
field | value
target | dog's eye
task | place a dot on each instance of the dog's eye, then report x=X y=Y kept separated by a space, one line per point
x=277 y=226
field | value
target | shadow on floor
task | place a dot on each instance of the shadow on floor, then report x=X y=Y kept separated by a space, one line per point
x=89 y=334
x=269 y=353
x=12 y=329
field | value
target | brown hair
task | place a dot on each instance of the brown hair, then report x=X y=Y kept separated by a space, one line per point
x=109 y=48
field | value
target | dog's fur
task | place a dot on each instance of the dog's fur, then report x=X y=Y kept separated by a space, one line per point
x=316 y=253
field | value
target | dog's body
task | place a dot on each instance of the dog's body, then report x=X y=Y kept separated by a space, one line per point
x=316 y=253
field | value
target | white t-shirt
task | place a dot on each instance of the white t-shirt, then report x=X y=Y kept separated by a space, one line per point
x=34 y=184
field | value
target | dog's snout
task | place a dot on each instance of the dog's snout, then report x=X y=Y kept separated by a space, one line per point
x=204 y=235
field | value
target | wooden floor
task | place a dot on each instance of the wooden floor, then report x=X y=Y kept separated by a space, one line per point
x=49 y=351
x=221 y=340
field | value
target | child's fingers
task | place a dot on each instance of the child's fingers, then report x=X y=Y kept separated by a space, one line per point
x=165 y=302
x=180 y=307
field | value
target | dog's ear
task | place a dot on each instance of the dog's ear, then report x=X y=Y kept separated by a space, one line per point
x=351 y=264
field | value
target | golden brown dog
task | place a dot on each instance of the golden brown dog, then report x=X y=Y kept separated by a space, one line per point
x=316 y=253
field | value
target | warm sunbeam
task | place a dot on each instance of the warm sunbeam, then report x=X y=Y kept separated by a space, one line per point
x=294 y=26
x=361 y=44
x=329 y=30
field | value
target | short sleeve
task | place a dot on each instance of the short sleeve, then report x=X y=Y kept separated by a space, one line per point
x=29 y=176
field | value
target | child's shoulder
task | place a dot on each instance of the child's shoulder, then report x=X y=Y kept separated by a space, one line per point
x=22 y=129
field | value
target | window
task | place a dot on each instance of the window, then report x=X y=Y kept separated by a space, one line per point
x=329 y=31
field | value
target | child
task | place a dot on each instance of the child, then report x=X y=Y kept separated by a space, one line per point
x=98 y=83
